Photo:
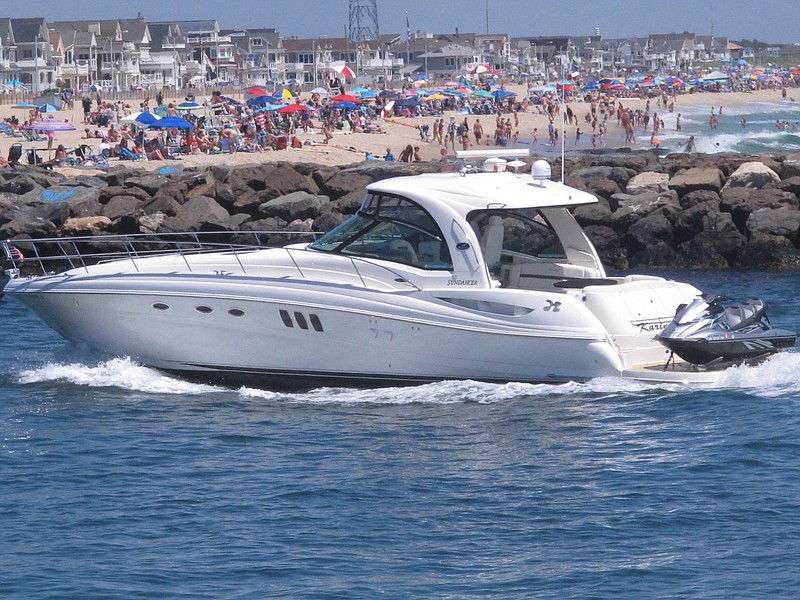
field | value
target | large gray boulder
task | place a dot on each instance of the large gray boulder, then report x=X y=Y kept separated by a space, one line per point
x=688 y=180
x=198 y=214
x=752 y=175
x=121 y=206
x=66 y=193
x=783 y=221
x=647 y=183
x=297 y=205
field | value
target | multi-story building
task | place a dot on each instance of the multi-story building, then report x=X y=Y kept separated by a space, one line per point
x=34 y=54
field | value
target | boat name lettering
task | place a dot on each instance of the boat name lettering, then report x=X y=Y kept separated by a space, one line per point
x=454 y=281
x=650 y=326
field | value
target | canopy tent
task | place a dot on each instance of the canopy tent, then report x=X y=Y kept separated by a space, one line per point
x=715 y=76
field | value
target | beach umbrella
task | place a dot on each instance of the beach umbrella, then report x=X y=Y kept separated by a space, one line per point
x=256 y=92
x=15 y=82
x=482 y=94
x=345 y=98
x=345 y=71
x=368 y=95
x=477 y=70
x=358 y=90
x=142 y=118
x=407 y=102
x=51 y=125
x=292 y=108
x=274 y=107
x=502 y=94
x=389 y=93
x=319 y=90
x=285 y=94
x=171 y=123
x=453 y=84
x=47 y=108
x=261 y=100
x=24 y=105
x=436 y=97
x=188 y=106
x=344 y=105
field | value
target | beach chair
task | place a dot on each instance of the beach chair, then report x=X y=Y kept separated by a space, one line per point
x=8 y=131
x=15 y=154
x=125 y=154
x=30 y=135
x=88 y=156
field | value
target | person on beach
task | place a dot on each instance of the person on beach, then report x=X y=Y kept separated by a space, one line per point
x=691 y=146
x=477 y=131
x=407 y=155
x=678 y=123
x=744 y=122
x=389 y=156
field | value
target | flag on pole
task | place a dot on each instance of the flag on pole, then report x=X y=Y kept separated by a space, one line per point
x=408 y=29
x=15 y=253
x=208 y=62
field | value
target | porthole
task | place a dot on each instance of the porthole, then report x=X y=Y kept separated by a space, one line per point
x=206 y=310
x=301 y=320
x=160 y=306
x=315 y=322
x=236 y=312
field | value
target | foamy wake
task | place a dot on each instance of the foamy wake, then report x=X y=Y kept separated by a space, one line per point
x=776 y=377
x=118 y=372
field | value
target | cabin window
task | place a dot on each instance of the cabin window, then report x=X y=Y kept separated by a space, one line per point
x=390 y=228
x=525 y=232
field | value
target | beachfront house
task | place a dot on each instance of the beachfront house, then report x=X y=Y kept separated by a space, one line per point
x=259 y=55
x=213 y=54
x=163 y=62
x=34 y=54
x=9 y=72
x=79 y=57
x=104 y=53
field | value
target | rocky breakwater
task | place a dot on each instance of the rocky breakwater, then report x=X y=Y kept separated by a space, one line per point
x=678 y=211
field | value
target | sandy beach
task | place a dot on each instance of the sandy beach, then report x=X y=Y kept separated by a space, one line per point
x=348 y=148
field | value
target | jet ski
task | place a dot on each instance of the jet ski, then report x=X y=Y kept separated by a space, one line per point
x=705 y=332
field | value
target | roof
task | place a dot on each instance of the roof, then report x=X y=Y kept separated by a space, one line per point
x=26 y=30
x=477 y=190
x=6 y=32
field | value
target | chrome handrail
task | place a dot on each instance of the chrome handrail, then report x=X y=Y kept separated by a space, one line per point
x=46 y=256
x=42 y=256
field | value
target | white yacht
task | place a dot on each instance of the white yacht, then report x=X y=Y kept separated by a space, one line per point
x=480 y=274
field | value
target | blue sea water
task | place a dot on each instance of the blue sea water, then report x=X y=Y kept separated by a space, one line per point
x=119 y=482
x=758 y=136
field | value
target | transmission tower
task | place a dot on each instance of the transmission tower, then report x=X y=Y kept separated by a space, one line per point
x=363 y=20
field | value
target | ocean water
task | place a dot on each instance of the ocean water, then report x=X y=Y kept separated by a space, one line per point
x=758 y=136
x=119 y=482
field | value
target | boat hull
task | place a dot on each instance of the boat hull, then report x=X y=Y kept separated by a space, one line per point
x=296 y=337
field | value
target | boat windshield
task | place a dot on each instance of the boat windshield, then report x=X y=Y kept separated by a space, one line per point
x=390 y=228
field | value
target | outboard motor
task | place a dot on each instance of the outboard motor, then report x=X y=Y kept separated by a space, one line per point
x=704 y=332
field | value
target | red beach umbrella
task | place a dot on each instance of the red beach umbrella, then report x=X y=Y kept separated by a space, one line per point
x=346 y=98
x=291 y=108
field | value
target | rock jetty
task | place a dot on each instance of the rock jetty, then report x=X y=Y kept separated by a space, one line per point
x=676 y=211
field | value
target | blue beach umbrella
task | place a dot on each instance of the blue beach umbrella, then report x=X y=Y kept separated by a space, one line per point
x=344 y=105
x=47 y=108
x=171 y=122
x=188 y=106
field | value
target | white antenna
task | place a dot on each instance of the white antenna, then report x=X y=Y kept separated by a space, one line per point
x=563 y=114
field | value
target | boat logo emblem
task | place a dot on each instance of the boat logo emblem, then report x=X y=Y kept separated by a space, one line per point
x=554 y=306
